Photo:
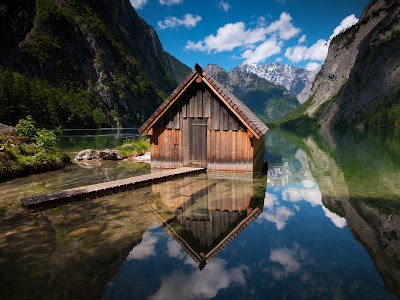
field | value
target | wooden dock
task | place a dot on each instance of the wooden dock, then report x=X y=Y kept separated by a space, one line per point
x=103 y=188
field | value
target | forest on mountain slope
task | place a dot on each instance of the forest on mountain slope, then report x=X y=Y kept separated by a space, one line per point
x=81 y=64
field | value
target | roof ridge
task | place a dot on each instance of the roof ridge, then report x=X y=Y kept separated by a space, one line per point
x=235 y=104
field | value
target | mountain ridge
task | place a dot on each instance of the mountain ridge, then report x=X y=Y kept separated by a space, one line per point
x=296 y=79
x=358 y=85
x=100 y=47
x=267 y=100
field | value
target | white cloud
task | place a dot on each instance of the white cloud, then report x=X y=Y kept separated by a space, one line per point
x=188 y=21
x=279 y=216
x=319 y=50
x=278 y=59
x=336 y=220
x=224 y=5
x=308 y=184
x=234 y=35
x=174 y=249
x=288 y=259
x=228 y=37
x=346 y=23
x=284 y=27
x=302 y=39
x=145 y=249
x=311 y=195
x=270 y=200
x=202 y=284
x=309 y=192
x=312 y=66
x=138 y=4
x=170 y=2
x=268 y=48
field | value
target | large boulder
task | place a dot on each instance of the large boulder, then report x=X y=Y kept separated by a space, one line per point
x=87 y=154
x=110 y=154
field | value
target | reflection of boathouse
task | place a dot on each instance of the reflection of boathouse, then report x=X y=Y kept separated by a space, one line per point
x=205 y=214
x=202 y=124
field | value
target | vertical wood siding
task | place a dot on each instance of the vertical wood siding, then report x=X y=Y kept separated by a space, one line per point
x=229 y=148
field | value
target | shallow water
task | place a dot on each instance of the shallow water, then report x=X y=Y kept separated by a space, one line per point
x=75 y=140
x=323 y=224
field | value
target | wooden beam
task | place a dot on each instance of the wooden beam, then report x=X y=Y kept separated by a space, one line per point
x=199 y=69
x=228 y=105
x=172 y=102
x=151 y=131
x=250 y=134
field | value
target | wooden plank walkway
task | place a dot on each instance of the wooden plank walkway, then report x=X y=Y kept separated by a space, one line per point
x=100 y=189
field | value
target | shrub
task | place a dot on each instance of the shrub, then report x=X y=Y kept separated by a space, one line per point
x=46 y=140
x=27 y=127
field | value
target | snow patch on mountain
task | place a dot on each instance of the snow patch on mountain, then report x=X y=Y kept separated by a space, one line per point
x=296 y=79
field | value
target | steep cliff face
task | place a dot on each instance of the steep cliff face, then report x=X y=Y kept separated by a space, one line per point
x=267 y=100
x=101 y=46
x=359 y=81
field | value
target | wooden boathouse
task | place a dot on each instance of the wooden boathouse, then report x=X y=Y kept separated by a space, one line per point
x=201 y=124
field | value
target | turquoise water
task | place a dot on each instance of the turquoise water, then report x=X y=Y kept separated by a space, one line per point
x=323 y=223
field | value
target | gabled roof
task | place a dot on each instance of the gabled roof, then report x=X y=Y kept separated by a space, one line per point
x=203 y=258
x=248 y=118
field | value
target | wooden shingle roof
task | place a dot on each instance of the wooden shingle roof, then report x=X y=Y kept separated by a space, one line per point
x=249 y=119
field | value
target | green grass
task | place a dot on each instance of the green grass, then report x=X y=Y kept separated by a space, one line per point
x=135 y=146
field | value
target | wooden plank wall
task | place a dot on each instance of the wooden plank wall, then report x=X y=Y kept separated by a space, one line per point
x=228 y=146
x=166 y=147
x=229 y=151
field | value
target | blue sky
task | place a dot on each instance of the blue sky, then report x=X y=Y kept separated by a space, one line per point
x=229 y=33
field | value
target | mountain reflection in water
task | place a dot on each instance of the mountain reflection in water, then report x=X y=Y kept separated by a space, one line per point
x=325 y=224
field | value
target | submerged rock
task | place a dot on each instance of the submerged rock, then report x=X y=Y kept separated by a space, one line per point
x=110 y=154
x=87 y=154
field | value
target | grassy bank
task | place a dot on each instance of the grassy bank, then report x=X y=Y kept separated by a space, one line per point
x=135 y=146
x=29 y=150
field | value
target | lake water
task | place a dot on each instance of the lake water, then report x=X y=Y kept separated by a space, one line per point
x=324 y=223
x=73 y=141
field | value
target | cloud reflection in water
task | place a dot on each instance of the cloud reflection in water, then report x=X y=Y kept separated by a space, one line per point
x=307 y=190
x=197 y=284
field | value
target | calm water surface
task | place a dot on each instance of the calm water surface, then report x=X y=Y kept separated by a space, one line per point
x=324 y=223
x=75 y=140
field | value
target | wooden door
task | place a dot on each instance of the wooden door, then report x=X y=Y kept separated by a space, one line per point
x=196 y=142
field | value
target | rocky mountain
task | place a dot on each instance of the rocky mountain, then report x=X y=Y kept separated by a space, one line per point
x=97 y=54
x=267 y=100
x=358 y=85
x=296 y=79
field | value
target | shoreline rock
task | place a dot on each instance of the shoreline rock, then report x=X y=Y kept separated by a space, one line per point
x=145 y=158
x=5 y=128
x=110 y=154
x=87 y=154
x=106 y=154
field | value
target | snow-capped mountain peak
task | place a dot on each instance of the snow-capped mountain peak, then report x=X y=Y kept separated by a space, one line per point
x=296 y=79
